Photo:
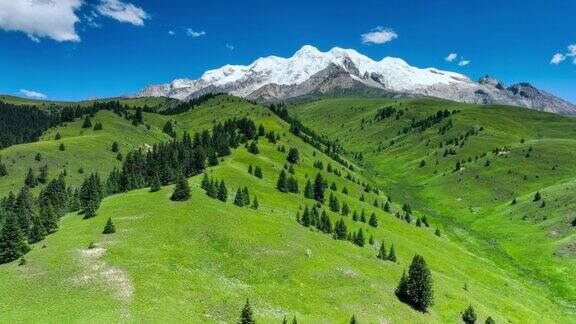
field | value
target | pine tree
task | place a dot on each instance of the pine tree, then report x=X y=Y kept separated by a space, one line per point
x=181 y=190
x=345 y=190
x=57 y=137
x=12 y=240
x=387 y=207
x=437 y=232
x=373 y=220
x=363 y=216
x=253 y=148
x=402 y=289
x=255 y=204
x=537 y=196
x=239 y=198
x=392 y=254
x=319 y=188
x=419 y=284
x=38 y=231
x=309 y=190
x=222 y=192
x=281 y=184
x=62 y=147
x=422 y=164
x=293 y=155
x=168 y=129
x=406 y=208
x=109 y=228
x=418 y=222
x=469 y=315
x=250 y=170
x=340 y=230
x=30 y=180
x=205 y=182
x=359 y=238
x=345 y=209
x=98 y=126
x=333 y=203
x=353 y=320
x=247 y=317
x=258 y=172
x=24 y=209
x=382 y=252
x=355 y=216
x=490 y=320
x=115 y=147
x=87 y=123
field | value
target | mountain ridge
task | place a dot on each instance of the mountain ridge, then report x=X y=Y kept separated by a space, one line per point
x=339 y=70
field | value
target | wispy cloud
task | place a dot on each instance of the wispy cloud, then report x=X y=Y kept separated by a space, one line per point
x=379 y=35
x=451 y=57
x=463 y=62
x=557 y=58
x=37 y=19
x=560 y=57
x=190 y=32
x=123 y=12
x=32 y=94
x=230 y=47
x=171 y=32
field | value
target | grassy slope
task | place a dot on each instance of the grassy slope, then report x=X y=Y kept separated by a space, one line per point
x=85 y=148
x=130 y=102
x=199 y=259
x=475 y=203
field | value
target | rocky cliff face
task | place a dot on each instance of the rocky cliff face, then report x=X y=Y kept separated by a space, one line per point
x=345 y=71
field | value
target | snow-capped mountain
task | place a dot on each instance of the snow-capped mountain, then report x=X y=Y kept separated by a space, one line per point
x=310 y=71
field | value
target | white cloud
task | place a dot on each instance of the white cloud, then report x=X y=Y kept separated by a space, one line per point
x=451 y=57
x=32 y=94
x=463 y=62
x=379 y=35
x=123 y=12
x=55 y=19
x=557 y=58
x=230 y=47
x=171 y=32
x=193 y=33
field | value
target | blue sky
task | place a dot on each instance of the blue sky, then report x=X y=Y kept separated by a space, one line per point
x=100 y=48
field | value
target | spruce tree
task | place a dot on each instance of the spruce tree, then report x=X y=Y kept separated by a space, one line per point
x=155 y=183
x=319 y=188
x=109 y=228
x=537 y=196
x=115 y=148
x=281 y=184
x=373 y=220
x=62 y=147
x=87 y=123
x=293 y=155
x=309 y=190
x=239 y=198
x=181 y=190
x=24 y=209
x=250 y=170
x=258 y=172
x=392 y=254
x=31 y=181
x=406 y=208
x=359 y=238
x=12 y=240
x=205 y=182
x=490 y=320
x=401 y=290
x=38 y=231
x=255 y=204
x=345 y=209
x=340 y=230
x=247 y=317
x=469 y=315
x=222 y=191
x=420 y=291
x=253 y=148
x=355 y=216
x=333 y=203
x=382 y=252
x=58 y=136
x=353 y=320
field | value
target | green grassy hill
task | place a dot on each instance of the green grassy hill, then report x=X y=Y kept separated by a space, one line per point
x=199 y=260
x=130 y=102
x=526 y=151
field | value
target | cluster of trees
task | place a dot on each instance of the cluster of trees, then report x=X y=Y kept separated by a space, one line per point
x=256 y=171
x=214 y=189
x=185 y=106
x=29 y=219
x=22 y=124
x=384 y=113
x=423 y=124
x=287 y=184
x=390 y=256
x=311 y=217
x=188 y=156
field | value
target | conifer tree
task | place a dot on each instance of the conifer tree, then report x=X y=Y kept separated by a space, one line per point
x=469 y=315
x=291 y=169
x=355 y=216
x=387 y=207
x=401 y=290
x=62 y=147
x=406 y=208
x=418 y=288
x=537 y=196
x=292 y=185
x=12 y=240
x=359 y=238
x=250 y=170
x=57 y=137
x=392 y=254
x=345 y=209
x=222 y=191
x=319 y=188
x=382 y=252
x=345 y=190
x=87 y=123
x=306 y=219
x=181 y=190
x=239 y=198
x=109 y=228
x=253 y=148
x=293 y=155
x=155 y=183
x=115 y=147
x=353 y=320
x=258 y=172
x=363 y=216
x=418 y=222
x=437 y=232
x=24 y=209
x=309 y=190
x=31 y=181
x=38 y=231
x=205 y=182
x=247 y=317
x=373 y=220
x=168 y=129
x=281 y=184
x=490 y=320
x=333 y=203
x=340 y=230
x=255 y=204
